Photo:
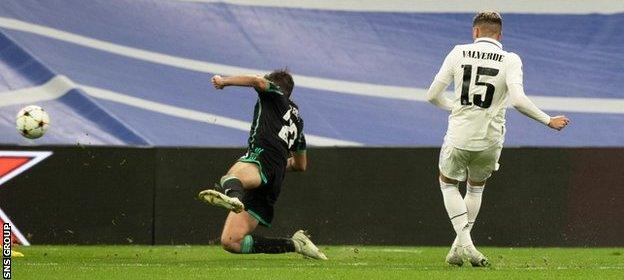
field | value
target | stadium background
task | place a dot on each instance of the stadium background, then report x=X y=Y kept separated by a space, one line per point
x=137 y=130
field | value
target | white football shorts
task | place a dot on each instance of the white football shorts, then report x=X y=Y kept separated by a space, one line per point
x=460 y=164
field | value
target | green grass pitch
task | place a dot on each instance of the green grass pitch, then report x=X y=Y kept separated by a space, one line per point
x=346 y=262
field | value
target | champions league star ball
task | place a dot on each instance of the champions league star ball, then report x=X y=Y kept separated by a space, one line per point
x=32 y=122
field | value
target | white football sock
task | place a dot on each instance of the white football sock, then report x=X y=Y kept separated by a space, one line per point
x=457 y=212
x=473 y=204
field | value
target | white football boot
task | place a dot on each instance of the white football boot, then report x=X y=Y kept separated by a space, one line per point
x=304 y=246
x=454 y=256
x=476 y=258
x=216 y=198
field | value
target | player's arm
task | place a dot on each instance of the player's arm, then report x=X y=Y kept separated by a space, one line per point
x=525 y=106
x=257 y=82
x=298 y=162
x=435 y=94
x=299 y=159
x=522 y=103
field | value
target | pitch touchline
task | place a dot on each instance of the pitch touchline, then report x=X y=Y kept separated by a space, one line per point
x=563 y=104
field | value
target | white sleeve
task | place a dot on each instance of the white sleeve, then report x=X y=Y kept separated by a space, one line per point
x=446 y=73
x=514 y=70
x=435 y=95
x=523 y=104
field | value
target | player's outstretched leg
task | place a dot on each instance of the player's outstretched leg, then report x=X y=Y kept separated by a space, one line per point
x=217 y=198
x=257 y=244
x=474 y=192
x=237 y=238
x=299 y=243
x=458 y=214
x=229 y=192
x=472 y=199
x=304 y=246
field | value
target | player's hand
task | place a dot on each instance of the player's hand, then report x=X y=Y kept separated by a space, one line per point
x=558 y=122
x=217 y=82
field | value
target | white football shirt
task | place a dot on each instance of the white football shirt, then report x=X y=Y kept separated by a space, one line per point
x=481 y=72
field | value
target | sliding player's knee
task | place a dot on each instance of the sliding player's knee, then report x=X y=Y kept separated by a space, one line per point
x=237 y=180
x=231 y=244
x=247 y=174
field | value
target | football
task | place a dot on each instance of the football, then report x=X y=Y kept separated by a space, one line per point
x=32 y=122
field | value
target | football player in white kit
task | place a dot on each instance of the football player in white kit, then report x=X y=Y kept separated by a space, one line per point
x=487 y=79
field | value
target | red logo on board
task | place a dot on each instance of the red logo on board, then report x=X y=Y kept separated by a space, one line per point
x=13 y=163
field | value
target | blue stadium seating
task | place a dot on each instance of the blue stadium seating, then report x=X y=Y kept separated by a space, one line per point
x=161 y=54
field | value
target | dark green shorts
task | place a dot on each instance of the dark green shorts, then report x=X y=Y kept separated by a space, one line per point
x=260 y=201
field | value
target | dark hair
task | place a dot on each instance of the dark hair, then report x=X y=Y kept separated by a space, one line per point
x=283 y=79
x=490 y=22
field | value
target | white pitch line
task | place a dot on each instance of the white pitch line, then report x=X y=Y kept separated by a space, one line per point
x=562 y=104
x=446 y=6
x=392 y=250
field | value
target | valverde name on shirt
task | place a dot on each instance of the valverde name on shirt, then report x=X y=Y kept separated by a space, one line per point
x=483 y=55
